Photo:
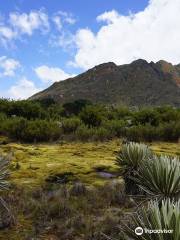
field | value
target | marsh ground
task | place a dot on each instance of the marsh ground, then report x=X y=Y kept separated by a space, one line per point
x=97 y=210
x=32 y=164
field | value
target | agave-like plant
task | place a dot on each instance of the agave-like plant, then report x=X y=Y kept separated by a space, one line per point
x=5 y=215
x=165 y=220
x=130 y=158
x=160 y=177
x=4 y=173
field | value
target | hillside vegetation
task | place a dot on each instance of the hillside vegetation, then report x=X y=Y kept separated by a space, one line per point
x=137 y=84
x=45 y=120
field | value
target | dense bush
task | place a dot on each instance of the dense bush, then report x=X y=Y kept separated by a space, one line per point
x=70 y=125
x=83 y=120
x=74 y=108
x=32 y=131
x=117 y=128
x=146 y=116
x=142 y=133
x=26 y=109
x=101 y=134
x=15 y=127
x=170 y=131
x=83 y=133
x=91 y=116
x=42 y=130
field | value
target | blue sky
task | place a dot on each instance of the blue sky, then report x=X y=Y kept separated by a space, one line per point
x=46 y=41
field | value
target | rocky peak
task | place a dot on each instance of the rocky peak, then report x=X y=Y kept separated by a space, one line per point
x=137 y=84
x=140 y=62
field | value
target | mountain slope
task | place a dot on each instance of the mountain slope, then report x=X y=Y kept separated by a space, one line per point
x=136 y=84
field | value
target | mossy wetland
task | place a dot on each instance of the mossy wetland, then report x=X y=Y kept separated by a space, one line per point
x=87 y=205
x=32 y=164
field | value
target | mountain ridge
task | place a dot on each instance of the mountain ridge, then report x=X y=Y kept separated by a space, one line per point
x=136 y=84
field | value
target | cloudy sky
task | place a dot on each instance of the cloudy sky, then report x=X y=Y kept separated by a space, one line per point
x=46 y=41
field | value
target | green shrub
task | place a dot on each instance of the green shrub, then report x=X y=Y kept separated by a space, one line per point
x=74 y=108
x=91 y=116
x=41 y=130
x=143 y=133
x=32 y=131
x=115 y=127
x=123 y=112
x=70 y=125
x=84 y=133
x=101 y=134
x=168 y=114
x=3 y=118
x=160 y=177
x=167 y=217
x=146 y=116
x=15 y=127
x=170 y=131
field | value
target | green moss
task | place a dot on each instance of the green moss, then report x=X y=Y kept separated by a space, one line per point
x=39 y=161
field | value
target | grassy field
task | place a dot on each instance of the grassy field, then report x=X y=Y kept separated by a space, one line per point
x=38 y=214
x=33 y=164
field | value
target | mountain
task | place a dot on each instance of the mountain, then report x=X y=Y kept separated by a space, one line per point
x=137 y=84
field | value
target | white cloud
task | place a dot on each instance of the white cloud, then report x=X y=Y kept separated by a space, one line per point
x=27 y=23
x=61 y=18
x=23 y=89
x=8 y=66
x=109 y=17
x=58 y=22
x=18 y=24
x=152 y=34
x=6 y=35
x=66 y=40
x=50 y=74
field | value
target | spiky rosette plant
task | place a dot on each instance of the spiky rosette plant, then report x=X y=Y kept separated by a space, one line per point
x=4 y=173
x=6 y=217
x=166 y=217
x=130 y=158
x=160 y=177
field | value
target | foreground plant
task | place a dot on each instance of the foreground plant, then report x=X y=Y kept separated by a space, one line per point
x=160 y=177
x=155 y=223
x=130 y=158
x=6 y=218
x=4 y=173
